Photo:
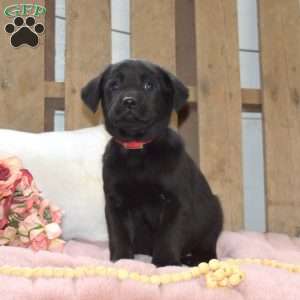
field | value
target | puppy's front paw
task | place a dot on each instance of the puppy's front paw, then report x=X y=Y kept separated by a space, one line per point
x=121 y=254
x=162 y=261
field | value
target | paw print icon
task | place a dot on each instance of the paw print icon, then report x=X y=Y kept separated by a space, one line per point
x=24 y=31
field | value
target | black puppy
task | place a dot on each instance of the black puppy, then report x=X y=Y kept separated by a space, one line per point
x=157 y=201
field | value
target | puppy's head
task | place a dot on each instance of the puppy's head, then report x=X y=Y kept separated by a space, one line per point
x=137 y=98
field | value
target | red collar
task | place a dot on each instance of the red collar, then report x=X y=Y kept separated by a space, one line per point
x=133 y=145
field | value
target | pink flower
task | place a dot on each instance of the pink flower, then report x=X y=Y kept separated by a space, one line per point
x=27 y=184
x=56 y=216
x=40 y=242
x=44 y=204
x=31 y=222
x=23 y=205
x=7 y=235
x=10 y=233
x=29 y=203
x=26 y=219
x=35 y=232
x=3 y=222
x=53 y=231
x=18 y=208
x=4 y=173
x=5 y=205
x=23 y=240
x=9 y=175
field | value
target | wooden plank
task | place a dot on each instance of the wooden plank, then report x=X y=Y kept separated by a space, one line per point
x=153 y=35
x=185 y=41
x=280 y=48
x=192 y=94
x=219 y=104
x=51 y=105
x=153 y=32
x=88 y=51
x=50 y=40
x=188 y=129
x=54 y=89
x=186 y=70
x=21 y=81
x=251 y=97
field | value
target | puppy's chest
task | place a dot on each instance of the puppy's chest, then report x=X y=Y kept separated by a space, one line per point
x=145 y=204
x=140 y=189
x=137 y=179
x=138 y=194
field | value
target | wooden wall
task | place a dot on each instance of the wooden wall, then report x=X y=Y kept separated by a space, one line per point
x=198 y=41
x=219 y=104
x=88 y=51
x=156 y=21
x=280 y=50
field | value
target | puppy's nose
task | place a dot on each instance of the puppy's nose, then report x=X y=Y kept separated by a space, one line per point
x=129 y=102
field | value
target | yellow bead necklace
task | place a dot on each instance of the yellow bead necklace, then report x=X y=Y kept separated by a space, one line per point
x=217 y=273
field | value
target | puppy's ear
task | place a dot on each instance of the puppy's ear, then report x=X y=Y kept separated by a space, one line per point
x=180 y=91
x=92 y=92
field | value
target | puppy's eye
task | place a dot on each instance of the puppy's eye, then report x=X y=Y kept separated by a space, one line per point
x=148 y=86
x=115 y=85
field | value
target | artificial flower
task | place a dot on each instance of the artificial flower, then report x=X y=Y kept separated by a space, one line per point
x=26 y=219
x=9 y=175
x=40 y=242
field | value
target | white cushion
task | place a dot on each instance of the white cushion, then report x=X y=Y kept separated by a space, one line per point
x=67 y=167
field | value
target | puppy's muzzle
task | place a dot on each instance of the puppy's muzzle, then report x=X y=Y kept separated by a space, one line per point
x=129 y=102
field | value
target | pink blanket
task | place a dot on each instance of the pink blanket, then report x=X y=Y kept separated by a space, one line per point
x=261 y=282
